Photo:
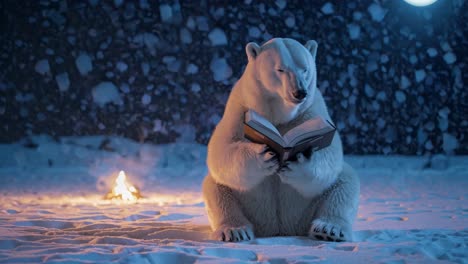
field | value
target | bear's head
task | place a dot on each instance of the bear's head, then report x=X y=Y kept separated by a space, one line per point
x=284 y=68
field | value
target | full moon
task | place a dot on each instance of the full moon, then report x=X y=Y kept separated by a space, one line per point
x=420 y=2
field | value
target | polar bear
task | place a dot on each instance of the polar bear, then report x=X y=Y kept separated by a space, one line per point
x=247 y=193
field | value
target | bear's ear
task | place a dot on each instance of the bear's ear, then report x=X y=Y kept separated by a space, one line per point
x=252 y=49
x=312 y=45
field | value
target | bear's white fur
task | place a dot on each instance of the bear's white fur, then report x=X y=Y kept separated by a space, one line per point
x=246 y=192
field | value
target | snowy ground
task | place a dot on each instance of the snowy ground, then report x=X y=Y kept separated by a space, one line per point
x=412 y=209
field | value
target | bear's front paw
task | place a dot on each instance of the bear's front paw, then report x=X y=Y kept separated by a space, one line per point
x=233 y=234
x=324 y=230
x=292 y=172
x=267 y=160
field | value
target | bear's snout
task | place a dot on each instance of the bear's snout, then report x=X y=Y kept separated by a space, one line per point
x=299 y=94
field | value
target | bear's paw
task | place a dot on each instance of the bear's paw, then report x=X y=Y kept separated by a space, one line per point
x=266 y=161
x=228 y=233
x=329 y=231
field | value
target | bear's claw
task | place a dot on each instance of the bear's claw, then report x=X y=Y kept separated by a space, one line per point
x=233 y=234
x=322 y=230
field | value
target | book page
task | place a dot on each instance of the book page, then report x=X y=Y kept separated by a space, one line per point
x=310 y=128
x=263 y=121
x=264 y=126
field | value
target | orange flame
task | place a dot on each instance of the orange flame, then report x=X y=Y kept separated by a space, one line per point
x=123 y=190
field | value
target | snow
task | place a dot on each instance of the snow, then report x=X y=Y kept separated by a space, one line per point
x=281 y=4
x=191 y=23
x=354 y=31
x=22 y=98
x=445 y=46
x=146 y=99
x=144 y=4
x=439 y=162
x=357 y=15
x=173 y=64
x=186 y=133
x=221 y=69
x=412 y=209
x=118 y=3
x=428 y=145
x=192 y=69
x=165 y=11
x=413 y=59
x=254 y=32
x=327 y=8
x=202 y=23
x=145 y=67
x=106 y=92
x=290 y=22
x=443 y=116
x=432 y=52
x=63 y=81
x=84 y=64
x=42 y=67
x=370 y=92
x=195 y=88
x=377 y=12
x=404 y=82
x=400 y=96
x=50 y=51
x=381 y=96
x=217 y=37
x=149 y=40
x=420 y=75
x=125 y=88
x=450 y=143
x=121 y=66
x=371 y=65
x=450 y=58
x=218 y=13
x=185 y=36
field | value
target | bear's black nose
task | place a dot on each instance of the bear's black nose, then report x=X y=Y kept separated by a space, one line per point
x=299 y=94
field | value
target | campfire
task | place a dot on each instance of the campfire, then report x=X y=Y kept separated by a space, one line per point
x=123 y=190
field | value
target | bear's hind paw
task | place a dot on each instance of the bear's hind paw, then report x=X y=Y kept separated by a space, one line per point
x=233 y=234
x=322 y=230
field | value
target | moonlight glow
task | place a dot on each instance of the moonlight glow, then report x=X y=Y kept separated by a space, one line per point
x=420 y=2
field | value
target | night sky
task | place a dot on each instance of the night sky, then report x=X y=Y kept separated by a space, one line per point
x=393 y=75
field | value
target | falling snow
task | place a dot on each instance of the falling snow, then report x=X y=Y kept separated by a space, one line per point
x=106 y=92
x=84 y=64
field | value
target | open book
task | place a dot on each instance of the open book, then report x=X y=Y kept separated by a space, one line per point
x=314 y=133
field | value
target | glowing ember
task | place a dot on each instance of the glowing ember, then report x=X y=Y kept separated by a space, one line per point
x=123 y=190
